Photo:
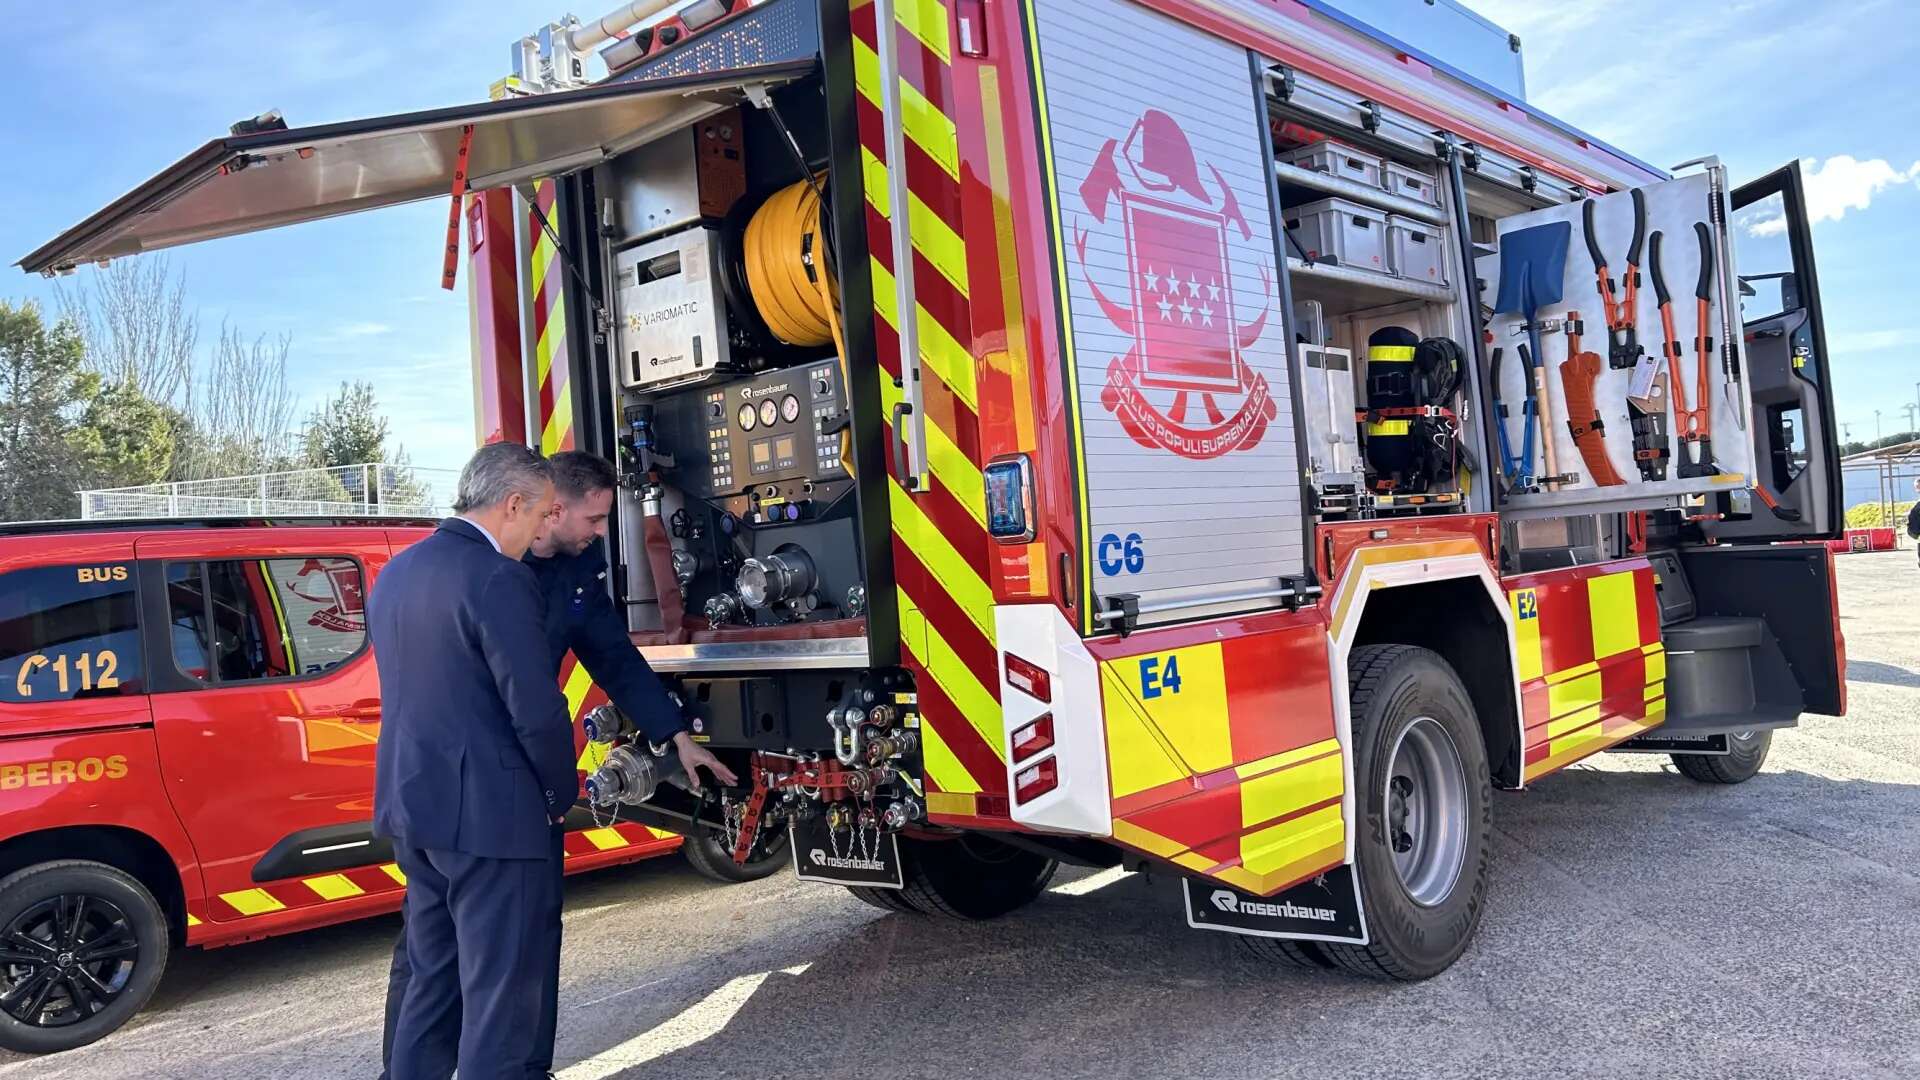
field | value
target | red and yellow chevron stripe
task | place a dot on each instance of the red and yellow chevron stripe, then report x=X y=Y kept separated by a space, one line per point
x=943 y=560
x=385 y=879
x=1592 y=668
x=552 y=356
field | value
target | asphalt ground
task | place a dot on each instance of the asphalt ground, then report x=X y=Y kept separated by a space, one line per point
x=1639 y=924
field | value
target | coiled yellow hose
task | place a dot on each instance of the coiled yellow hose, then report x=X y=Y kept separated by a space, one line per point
x=791 y=283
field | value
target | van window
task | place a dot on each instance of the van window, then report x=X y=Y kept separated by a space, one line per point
x=246 y=620
x=68 y=632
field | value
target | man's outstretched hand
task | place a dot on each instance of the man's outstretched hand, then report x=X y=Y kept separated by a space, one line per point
x=693 y=755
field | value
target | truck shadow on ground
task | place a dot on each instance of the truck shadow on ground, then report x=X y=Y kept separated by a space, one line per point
x=1872 y=671
x=1616 y=895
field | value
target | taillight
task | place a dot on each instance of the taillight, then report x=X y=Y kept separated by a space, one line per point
x=1033 y=738
x=1029 y=678
x=1035 y=780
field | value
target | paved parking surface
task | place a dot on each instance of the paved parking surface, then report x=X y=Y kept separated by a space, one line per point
x=1639 y=925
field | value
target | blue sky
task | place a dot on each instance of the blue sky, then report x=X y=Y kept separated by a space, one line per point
x=1759 y=82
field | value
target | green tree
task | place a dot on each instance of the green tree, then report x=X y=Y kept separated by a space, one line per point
x=42 y=376
x=348 y=429
x=122 y=438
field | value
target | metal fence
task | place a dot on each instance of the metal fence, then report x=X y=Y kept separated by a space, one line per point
x=343 y=491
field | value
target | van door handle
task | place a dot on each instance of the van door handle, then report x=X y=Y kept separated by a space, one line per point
x=904 y=464
x=364 y=709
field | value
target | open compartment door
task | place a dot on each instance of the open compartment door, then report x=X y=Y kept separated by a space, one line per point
x=265 y=179
x=1796 y=451
x=1628 y=391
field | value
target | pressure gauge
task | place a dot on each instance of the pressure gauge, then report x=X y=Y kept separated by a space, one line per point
x=769 y=412
x=746 y=417
x=790 y=409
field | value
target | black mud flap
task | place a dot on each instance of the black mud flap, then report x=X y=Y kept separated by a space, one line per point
x=1323 y=908
x=1680 y=743
x=819 y=856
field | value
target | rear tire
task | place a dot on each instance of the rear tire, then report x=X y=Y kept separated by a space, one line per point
x=120 y=927
x=972 y=877
x=1299 y=954
x=1425 y=800
x=1748 y=752
x=892 y=900
x=712 y=858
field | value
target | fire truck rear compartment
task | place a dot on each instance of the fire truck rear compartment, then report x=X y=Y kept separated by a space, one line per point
x=1749 y=636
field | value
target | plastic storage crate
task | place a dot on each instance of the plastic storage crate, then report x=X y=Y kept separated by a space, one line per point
x=1336 y=159
x=1341 y=232
x=1416 y=250
x=1410 y=183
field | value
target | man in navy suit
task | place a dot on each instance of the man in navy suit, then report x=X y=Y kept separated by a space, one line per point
x=571 y=568
x=474 y=768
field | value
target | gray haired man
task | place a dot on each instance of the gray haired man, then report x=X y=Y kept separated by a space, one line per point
x=473 y=773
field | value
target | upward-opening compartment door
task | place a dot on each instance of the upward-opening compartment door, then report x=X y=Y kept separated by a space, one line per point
x=262 y=180
x=1628 y=392
x=1795 y=447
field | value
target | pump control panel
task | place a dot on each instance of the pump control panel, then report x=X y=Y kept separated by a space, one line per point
x=765 y=430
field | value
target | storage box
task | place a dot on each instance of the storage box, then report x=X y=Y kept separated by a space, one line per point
x=1340 y=232
x=1410 y=183
x=1416 y=250
x=1336 y=159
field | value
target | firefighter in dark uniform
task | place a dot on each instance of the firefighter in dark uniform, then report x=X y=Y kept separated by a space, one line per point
x=1913 y=514
x=570 y=564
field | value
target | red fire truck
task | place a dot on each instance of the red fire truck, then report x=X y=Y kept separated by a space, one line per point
x=1124 y=432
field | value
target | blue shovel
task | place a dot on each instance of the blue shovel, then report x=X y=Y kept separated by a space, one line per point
x=1533 y=268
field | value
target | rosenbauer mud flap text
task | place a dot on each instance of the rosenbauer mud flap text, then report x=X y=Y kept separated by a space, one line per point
x=1322 y=908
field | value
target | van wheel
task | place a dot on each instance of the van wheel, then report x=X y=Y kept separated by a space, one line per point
x=712 y=857
x=1747 y=752
x=1425 y=810
x=82 y=946
x=972 y=876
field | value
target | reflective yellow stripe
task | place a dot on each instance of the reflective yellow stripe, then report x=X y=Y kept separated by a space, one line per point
x=940 y=353
x=873 y=173
x=252 y=901
x=959 y=803
x=955 y=678
x=1266 y=850
x=1287 y=757
x=1389 y=427
x=935 y=239
x=606 y=839
x=591 y=757
x=661 y=834
x=1653 y=690
x=950 y=465
x=1150 y=842
x=1573 y=722
x=578 y=683
x=1285 y=791
x=1656 y=667
x=554 y=435
x=926 y=20
x=1392 y=354
x=944 y=769
x=1526 y=633
x=1574 y=694
x=193 y=920
x=929 y=128
x=1614 y=610
x=937 y=554
x=394 y=872
x=334 y=887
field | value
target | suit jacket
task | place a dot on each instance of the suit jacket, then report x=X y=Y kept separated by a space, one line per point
x=476 y=744
x=581 y=617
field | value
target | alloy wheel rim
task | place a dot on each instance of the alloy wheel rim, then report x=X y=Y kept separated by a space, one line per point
x=66 y=959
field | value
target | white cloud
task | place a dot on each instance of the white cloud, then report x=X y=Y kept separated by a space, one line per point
x=1843 y=183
